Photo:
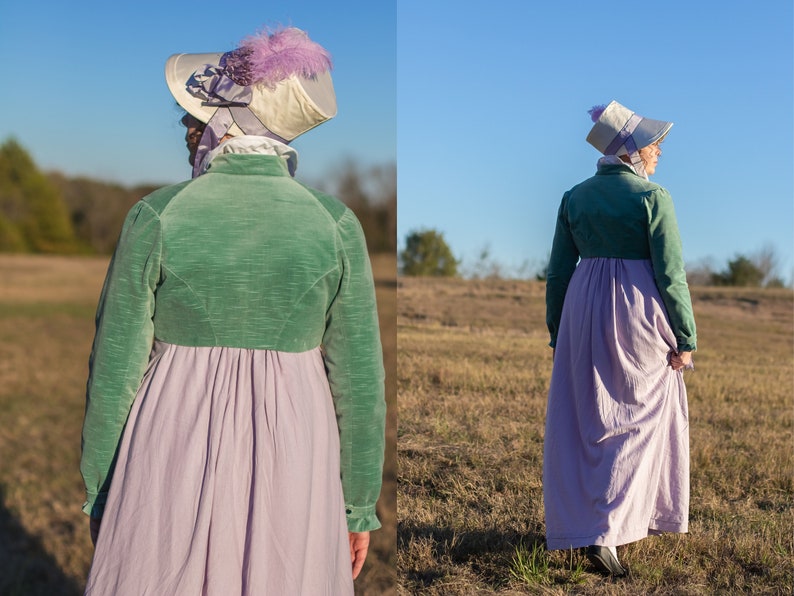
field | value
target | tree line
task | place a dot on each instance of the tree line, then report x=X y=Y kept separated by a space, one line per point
x=427 y=253
x=51 y=213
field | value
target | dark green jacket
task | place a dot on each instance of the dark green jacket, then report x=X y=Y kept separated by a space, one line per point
x=618 y=214
x=242 y=256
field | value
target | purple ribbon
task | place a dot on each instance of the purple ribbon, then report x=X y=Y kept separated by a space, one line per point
x=624 y=137
x=216 y=89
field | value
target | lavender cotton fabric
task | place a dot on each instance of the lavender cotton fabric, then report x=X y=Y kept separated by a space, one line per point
x=616 y=455
x=227 y=480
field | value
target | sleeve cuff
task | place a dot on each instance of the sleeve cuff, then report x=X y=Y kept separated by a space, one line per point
x=95 y=505
x=361 y=519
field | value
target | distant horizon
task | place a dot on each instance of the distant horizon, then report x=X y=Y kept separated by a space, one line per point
x=485 y=266
x=468 y=268
x=137 y=184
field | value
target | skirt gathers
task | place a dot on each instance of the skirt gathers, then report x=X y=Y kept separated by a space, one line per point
x=616 y=453
x=227 y=480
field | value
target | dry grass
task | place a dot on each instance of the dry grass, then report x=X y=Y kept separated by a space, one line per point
x=472 y=378
x=46 y=326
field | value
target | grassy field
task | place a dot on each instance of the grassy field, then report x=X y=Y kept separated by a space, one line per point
x=46 y=327
x=472 y=378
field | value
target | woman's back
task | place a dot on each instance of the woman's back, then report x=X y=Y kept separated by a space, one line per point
x=609 y=214
x=253 y=263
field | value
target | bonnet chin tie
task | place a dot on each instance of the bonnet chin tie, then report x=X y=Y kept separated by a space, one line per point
x=625 y=139
x=231 y=99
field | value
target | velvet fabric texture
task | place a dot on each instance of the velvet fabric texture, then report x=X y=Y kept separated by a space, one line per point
x=618 y=214
x=243 y=257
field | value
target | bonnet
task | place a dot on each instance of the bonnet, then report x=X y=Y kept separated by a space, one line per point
x=619 y=131
x=275 y=84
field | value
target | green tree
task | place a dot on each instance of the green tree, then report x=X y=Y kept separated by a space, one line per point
x=741 y=271
x=11 y=239
x=427 y=253
x=34 y=215
x=756 y=270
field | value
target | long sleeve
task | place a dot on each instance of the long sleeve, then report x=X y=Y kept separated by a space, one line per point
x=354 y=363
x=120 y=353
x=668 y=266
x=562 y=264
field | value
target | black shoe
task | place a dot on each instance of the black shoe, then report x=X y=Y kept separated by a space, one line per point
x=603 y=560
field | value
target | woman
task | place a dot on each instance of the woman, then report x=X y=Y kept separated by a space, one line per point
x=616 y=452
x=236 y=371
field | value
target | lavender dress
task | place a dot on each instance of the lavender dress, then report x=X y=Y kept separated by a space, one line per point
x=227 y=480
x=236 y=378
x=616 y=457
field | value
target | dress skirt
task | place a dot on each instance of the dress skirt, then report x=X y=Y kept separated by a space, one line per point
x=227 y=480
x=616 y=452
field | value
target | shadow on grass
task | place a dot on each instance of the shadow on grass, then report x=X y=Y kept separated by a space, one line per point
x=26 y=569
x=487 y=552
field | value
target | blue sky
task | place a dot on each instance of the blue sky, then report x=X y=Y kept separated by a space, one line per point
x=482 y=104
x=492 y=117
x=85 y=93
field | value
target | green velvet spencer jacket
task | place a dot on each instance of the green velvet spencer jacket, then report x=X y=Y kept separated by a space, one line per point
x=297 y=276
x=618 y=214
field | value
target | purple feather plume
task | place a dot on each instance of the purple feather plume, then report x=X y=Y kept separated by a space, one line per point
x=595 y=112
x=268 y=58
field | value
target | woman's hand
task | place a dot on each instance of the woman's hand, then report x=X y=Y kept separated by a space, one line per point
x=359 y=545
x=679 y=360
x=93 y=526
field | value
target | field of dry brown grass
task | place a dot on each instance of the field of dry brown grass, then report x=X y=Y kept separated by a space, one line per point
x=472 y=377
x=46 y=327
